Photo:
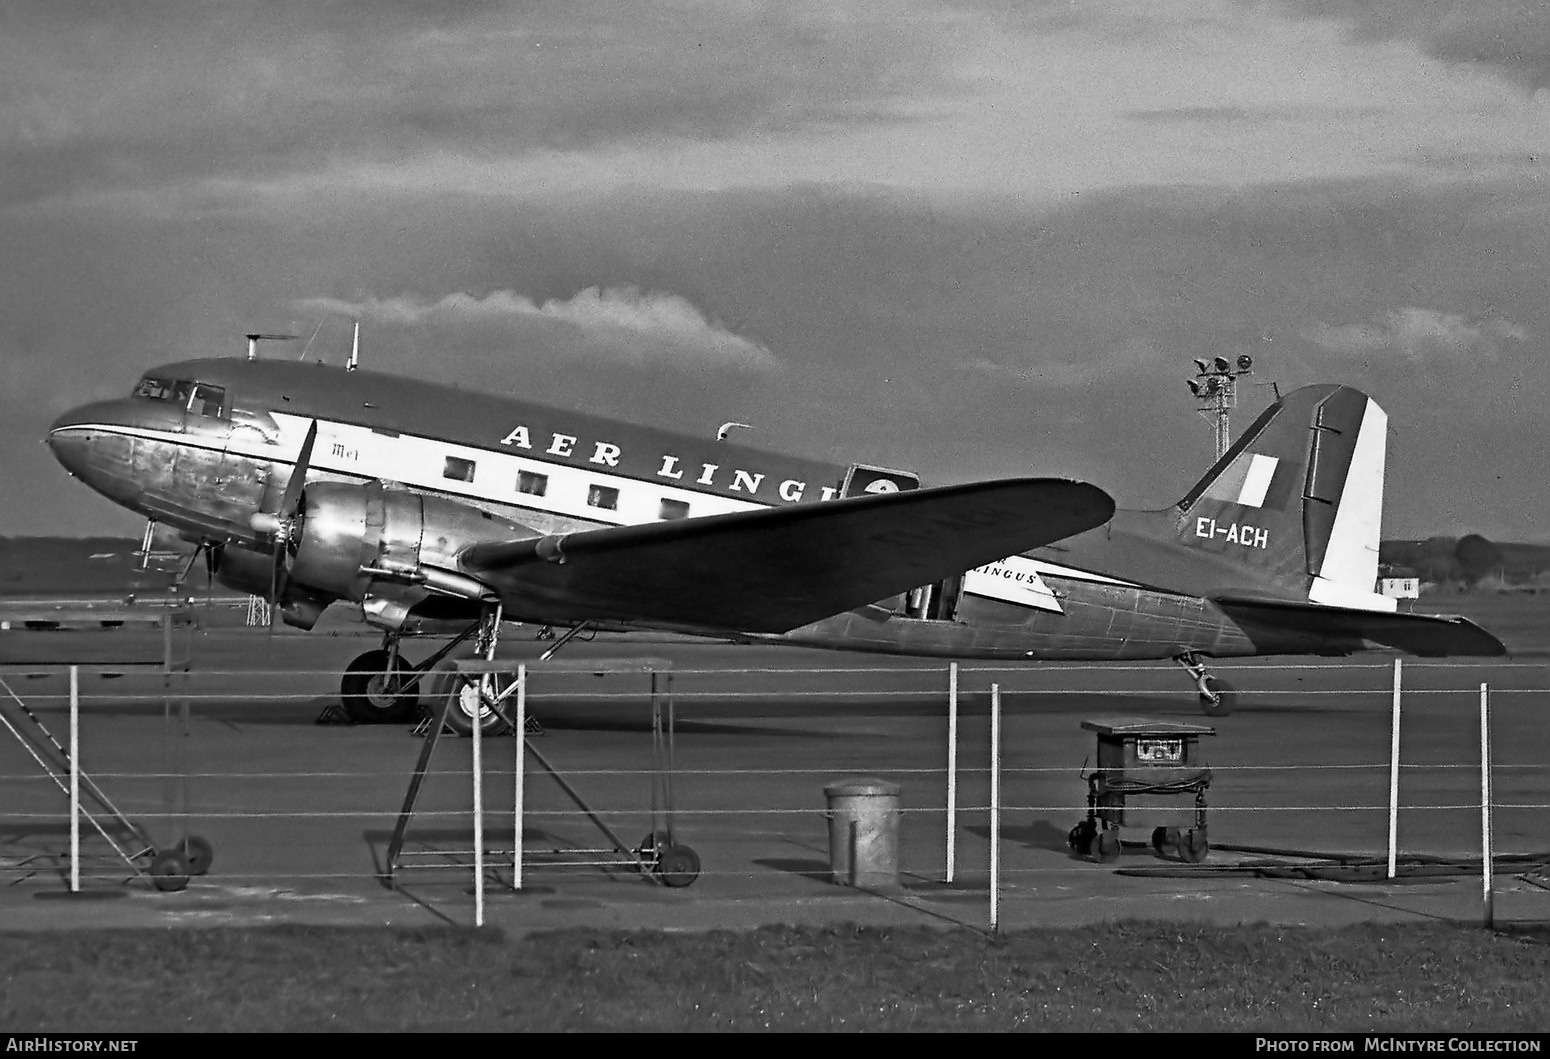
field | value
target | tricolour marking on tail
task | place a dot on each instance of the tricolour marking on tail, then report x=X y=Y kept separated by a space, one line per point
x=1295 y=507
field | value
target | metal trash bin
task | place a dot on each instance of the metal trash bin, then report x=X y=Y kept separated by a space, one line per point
x=863 y=817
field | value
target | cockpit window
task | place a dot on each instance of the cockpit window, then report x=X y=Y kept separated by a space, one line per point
x=155 y=389
x=198 y=397
x=207 y=400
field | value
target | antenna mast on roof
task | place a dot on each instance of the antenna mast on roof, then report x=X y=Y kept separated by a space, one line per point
x=255 y=339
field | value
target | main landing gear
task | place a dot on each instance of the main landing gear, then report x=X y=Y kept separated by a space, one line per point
x=1217 y=697
x=383 y=687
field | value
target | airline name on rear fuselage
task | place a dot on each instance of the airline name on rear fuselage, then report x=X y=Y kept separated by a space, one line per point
x=607 y=454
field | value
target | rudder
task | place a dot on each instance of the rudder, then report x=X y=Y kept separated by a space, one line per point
x=1297 y=502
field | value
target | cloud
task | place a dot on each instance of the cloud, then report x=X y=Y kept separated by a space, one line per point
x=621 y=323
x=1509 y=36
x=1419 y=335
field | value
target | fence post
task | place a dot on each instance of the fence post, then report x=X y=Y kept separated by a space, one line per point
x=1394 y=778
x=952 y=768
x=995 y=805
x=1487 y=872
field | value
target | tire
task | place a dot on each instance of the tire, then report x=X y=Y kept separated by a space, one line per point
x=169 y=871
x=464 y=705
x=366 y=693
x=1107 y=848
x=197 y=852
x=1194 y=847
x=678 y=866
x=1080 y=838
x=1217 y=697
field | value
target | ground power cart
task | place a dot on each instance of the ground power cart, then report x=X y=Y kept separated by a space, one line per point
x=1143 y=765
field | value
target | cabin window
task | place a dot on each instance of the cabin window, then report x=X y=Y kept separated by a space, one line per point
x=458 y=469
x=532 y=483
x=672 y=509
x=207 y=400
x=603 y=496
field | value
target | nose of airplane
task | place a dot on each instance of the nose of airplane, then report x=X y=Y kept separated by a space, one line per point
x=69 y=438
x=89 y=443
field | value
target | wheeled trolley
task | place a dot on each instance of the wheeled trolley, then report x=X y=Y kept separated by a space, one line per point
x=1142 y=764
x=479 y=687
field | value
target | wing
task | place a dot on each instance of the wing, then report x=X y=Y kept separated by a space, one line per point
x=780 y=568
x=1417 y=634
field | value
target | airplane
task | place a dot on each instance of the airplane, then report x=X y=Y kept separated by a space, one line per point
x=431 y=508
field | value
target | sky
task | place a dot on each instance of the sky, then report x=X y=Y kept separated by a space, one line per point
x=969 y=238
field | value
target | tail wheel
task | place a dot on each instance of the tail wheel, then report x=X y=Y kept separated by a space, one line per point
x=1217 y=697
x=370 y=690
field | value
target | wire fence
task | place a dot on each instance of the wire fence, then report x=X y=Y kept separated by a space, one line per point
x=1301 y=769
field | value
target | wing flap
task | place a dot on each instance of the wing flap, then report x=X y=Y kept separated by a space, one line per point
x=1430 y=635
x=776 y=569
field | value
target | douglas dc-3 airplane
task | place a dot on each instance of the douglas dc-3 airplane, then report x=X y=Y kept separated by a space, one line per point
x=422 y=504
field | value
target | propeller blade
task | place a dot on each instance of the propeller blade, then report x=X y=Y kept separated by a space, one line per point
x=292 y=496
x=285 y=524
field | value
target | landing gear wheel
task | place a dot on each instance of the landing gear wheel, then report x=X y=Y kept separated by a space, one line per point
x=1193 y=848
x=1080 y=838
x=678 y=866
x=197 y=852
x=1108 y=847
x=468 y=704
x=169 y=871
x=369 y=690
x=1217 y=697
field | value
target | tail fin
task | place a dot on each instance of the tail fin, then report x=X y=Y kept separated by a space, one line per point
x=1299 y=501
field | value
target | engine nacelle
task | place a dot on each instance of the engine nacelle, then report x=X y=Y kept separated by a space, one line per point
x=390 y=534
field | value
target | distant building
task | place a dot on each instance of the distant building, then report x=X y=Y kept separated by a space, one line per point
x=1400 y=587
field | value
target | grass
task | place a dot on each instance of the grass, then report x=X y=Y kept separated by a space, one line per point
x=1127 y=976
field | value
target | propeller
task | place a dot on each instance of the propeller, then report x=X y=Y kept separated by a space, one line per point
x=281 y=524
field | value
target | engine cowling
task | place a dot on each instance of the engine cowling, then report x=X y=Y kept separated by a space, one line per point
x=353 y=541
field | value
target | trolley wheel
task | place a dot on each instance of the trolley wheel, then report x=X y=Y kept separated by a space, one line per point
x=1193 y=848
x=1080 y=838
x=369 y=691
x=169 y=871
x=468 y=704
x=1159 y=838
x=197 y=852
x=1217 y=697
x=1108 y=847
x=678 y=866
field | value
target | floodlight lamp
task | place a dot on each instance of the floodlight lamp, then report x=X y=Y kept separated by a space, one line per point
x=1201 y=368
x=1213 y=384
x=1245 y=362
x=1194 y=388
x=1222 y=365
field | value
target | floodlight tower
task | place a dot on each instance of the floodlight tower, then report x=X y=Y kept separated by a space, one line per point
x=1215 y=387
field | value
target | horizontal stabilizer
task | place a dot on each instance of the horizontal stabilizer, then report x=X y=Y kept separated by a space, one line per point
x=1418 y=634
x=780 y=568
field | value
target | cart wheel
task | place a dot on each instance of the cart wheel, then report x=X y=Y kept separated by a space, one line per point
x=197 y=852
x=1217 y=697
x=169 y=871
x=678 y=866
x=1108 y=847
x=1193 y=848
x=1080 y=838
x=1159 y=838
